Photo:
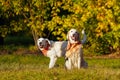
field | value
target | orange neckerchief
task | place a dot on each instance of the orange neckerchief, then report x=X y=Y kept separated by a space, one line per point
x=70 y=46
x=45 y=50
x=74 y=45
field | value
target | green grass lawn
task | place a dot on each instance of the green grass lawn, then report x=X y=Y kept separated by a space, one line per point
x=34 y=67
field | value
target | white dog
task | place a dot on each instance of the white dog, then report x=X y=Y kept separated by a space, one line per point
x=54 y=49
x=74 y=53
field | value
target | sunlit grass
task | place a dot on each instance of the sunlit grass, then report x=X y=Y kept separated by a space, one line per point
x=34 y=67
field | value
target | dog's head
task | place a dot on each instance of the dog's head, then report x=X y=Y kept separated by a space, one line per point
x=73 y=36
x=43 y=43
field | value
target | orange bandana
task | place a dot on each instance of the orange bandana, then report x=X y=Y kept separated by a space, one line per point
x=72 y=48
x=44 y=51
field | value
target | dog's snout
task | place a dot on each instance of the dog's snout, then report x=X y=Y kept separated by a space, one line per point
x=73 y=35
x=40 y=43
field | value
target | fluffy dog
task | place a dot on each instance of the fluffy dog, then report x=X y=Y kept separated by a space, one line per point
x=55 y=49
x=74 y=53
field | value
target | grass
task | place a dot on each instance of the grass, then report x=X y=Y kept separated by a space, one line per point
x=35 y=67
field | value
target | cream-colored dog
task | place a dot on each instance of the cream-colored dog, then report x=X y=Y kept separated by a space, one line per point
x=55 y=49
x=74 y=53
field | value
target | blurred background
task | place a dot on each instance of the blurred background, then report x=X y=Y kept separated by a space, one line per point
x=22 y=22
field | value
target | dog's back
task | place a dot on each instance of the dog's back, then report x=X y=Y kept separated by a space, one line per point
x=60 y=47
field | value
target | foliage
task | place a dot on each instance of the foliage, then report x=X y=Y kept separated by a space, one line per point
x=18 y=40
x=99 y=18
x=36 y=68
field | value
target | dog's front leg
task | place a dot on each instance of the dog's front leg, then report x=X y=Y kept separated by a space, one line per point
x=68 y=64
x=79 y=63
x=52 y=61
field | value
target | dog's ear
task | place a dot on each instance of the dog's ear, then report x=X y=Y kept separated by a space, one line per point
x=68 y=45
x=68 y=35
x=48 y=42
x=78 y=36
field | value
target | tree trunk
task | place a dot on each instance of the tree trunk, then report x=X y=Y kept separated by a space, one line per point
x=35 y=37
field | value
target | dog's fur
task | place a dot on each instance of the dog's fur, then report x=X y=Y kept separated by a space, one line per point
x=74 y=53
x=54 y=49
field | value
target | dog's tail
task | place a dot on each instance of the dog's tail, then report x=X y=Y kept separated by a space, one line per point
x=84 y=37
